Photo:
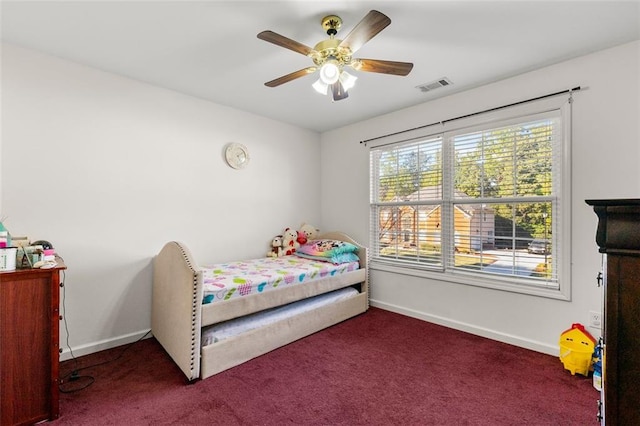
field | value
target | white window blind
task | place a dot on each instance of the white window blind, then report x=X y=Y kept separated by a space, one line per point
x=482 y=203
x=406 y=198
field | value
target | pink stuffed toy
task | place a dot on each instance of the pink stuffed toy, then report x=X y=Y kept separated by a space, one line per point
x=302 y=238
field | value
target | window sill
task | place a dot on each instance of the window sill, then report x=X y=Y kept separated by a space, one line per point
x=494 y=283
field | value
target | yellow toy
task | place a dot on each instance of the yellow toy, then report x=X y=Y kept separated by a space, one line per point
x=576 y=349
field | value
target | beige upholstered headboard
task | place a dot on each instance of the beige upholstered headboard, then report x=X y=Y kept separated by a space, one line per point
x=176 y=307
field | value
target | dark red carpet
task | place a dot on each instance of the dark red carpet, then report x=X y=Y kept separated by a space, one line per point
x=379 y=368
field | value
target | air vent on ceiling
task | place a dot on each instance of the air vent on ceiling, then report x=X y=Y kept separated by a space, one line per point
x=441 y=82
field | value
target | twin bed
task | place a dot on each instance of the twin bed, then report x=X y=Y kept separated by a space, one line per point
x=210 y=318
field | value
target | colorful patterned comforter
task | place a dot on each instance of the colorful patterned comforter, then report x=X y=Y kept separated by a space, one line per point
x=231 y=280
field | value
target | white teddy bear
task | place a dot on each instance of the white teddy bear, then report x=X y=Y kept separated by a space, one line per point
x=290 y=241
x=307 y=233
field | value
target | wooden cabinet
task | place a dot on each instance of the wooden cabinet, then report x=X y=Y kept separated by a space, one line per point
x=29 y=345
x=618 y=236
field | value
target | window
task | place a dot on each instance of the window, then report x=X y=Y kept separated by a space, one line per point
x=482 y=204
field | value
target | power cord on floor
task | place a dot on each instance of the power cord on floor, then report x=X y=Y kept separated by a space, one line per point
x=82 y=382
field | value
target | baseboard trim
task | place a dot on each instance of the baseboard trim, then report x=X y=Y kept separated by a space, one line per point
x=533 y=345
x=469 y=328
x=102 y=345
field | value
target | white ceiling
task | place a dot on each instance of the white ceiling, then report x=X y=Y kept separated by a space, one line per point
x=209 y=49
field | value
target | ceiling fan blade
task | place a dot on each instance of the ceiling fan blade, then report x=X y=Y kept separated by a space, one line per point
x=338 y=91
x=384 y=67
x=367 y=28
x=285 y=42
x=292 y=76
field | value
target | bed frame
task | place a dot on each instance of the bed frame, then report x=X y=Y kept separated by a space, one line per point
x=178 y=315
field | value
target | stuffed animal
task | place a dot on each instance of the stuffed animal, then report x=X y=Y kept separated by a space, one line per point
x=302 y=238
x=276 y=247
x=290 y=241
x=307 y=233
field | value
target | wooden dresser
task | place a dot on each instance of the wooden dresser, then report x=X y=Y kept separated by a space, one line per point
x=618 y=236
x=29 y=345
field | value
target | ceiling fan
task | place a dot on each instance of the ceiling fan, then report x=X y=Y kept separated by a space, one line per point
x=332 y=55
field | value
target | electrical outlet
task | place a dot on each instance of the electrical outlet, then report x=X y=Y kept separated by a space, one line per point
x=595 y=319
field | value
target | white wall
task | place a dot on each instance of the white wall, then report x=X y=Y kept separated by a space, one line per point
x=109 y=169
x=606 y=154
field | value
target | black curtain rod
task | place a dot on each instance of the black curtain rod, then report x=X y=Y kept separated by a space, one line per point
x=575 y=89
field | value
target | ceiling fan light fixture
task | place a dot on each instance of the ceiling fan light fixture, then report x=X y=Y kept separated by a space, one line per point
x=330 y=71
x=321 y=87
x=347 y=80
x=338 y=92
x=331 y=55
